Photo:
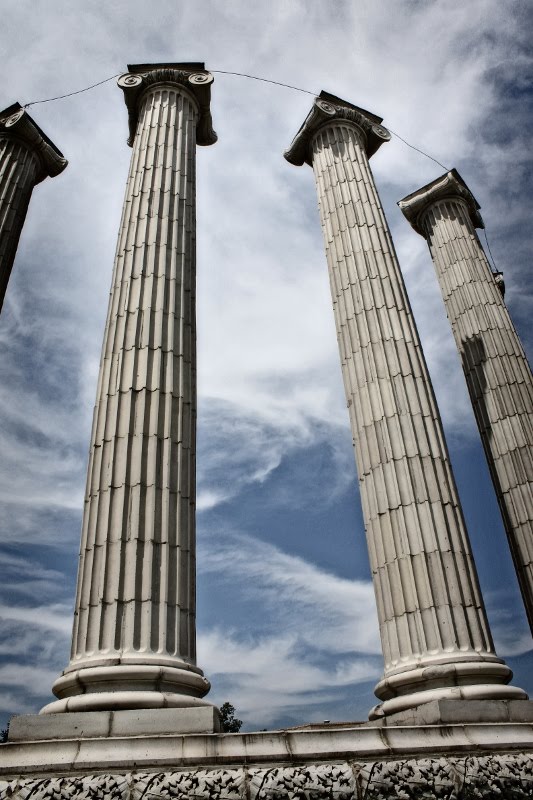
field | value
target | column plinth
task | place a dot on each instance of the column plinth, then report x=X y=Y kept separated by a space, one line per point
x=27 y=157
x=496 y=370
x=134 y=637
x=434 y=631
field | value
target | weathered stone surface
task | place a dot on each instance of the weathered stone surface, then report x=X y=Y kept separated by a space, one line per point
x=497 y=373
x=434 y=630
x=452 y=712
x=487 y=777
x=191 y=76
x=27 y=157
x=203 y=784
x=96 y=724
x=472 y=777
x=309 y=781
x=152 y=752
x=345 y=761
x=134 y=638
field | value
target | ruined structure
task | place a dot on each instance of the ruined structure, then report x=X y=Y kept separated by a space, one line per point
x=434 y=630
x=130 y=721
x=497 y=373
x=134 y=638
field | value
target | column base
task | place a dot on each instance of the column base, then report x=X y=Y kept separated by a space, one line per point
x=478 y=680
x=461 y=712
x=113 y=724
x=128 y=687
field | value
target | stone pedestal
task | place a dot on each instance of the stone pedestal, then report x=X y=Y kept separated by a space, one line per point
x=114 y=724
x=134 y=637
x=497 y=373
x=339 y=760
x=462 y=712
x=434 y=631
x=27 y=157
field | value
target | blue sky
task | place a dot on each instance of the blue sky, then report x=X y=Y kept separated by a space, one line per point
x=286 y=619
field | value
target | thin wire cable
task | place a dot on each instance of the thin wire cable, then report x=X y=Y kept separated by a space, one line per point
x=70 y=94
x=240 y=75
x=490 y=251
x=417 y=149
x=263 y=80
x=314 y=94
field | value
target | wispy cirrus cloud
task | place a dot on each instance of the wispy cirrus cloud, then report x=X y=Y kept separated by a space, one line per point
x=299 y=594
x=320 y=642
x=512 y=636
x=274 y=679
x=240 y=447
x=34 y=645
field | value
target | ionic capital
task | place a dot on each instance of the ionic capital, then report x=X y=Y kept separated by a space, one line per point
x=448 y=186
x=326 y=109
x=16 y=123
x=192 y=77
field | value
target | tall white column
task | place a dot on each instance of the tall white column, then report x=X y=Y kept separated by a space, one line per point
x=27 y=157
x=434 y=631
x=134 y=637
x=497 y=373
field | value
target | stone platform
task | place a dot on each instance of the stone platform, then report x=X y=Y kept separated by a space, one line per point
x=348 y=761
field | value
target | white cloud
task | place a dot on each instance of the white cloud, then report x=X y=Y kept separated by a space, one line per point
x=511 y=633
x=326 y=636
x=34 y=680
x=302 y=597
x=240 y=446
x=34 y=646
x=270 y=678
x=54 y=617
x=29 y=580
x=12 y=703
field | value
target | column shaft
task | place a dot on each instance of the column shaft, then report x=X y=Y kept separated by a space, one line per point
x=497 y=373
x=434 y=631
x=26 y=158
x=134 y=637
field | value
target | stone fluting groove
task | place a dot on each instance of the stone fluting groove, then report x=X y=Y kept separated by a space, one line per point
x=434 y=631
x=134 y=623
x=139 y=519
x=18 y=170
x=497 y=373
x=26 y=158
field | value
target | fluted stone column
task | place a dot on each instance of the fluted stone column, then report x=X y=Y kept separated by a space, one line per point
x=134 y=637
x=27 y=157
x=434 y=631
x=497 y=373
